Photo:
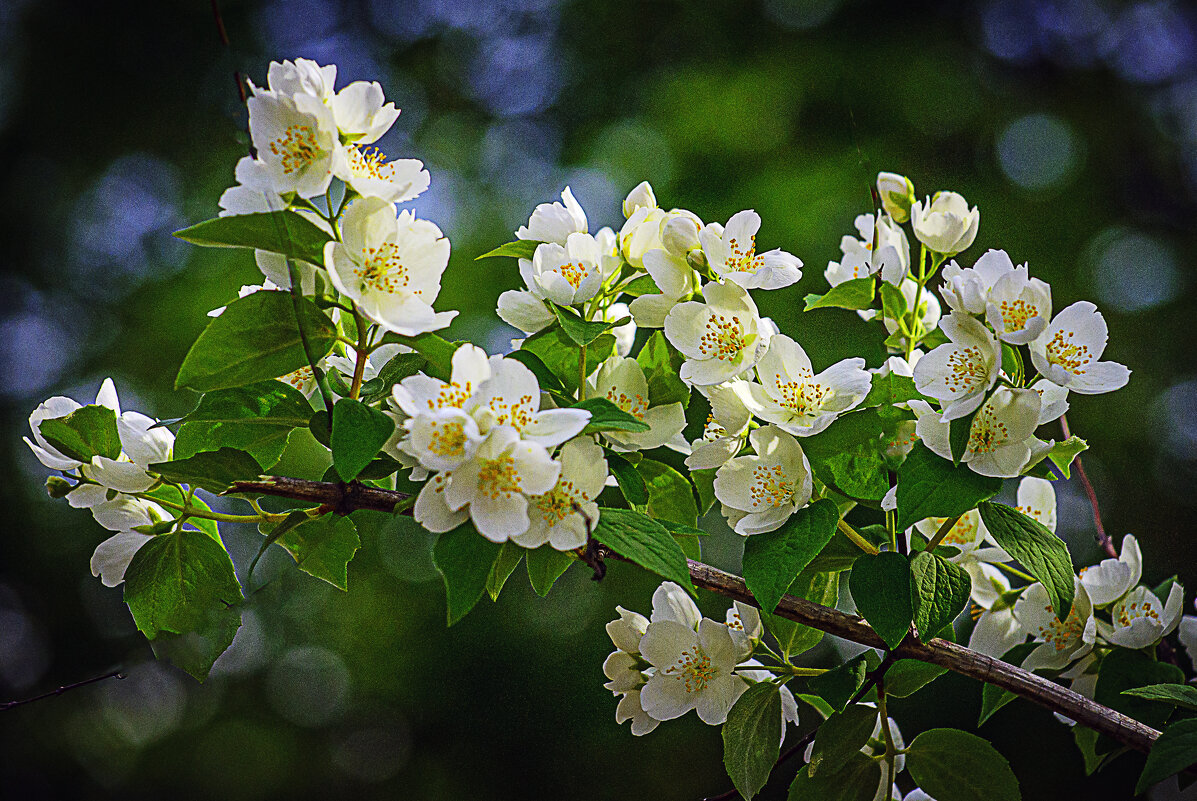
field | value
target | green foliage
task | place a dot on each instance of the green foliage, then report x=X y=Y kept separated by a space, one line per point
x=881 y=587
x=940 y=591
x=907 y=676
x=401 y=366
x=630 y=482
x=893 y=302
x=464 y=558
x=358 y=432
x=561 y=354
x=504 y=565
x=889 y=389
x=856 y=293
x=583 y=332
x=285 y=232
x=256 y=418
x=1127 y=670
x=544 y=376
x=437 y=352
x=856 y=780
x=646 y=542
x=256 y=338
x=953 y=765
x=670 y=495
x=606 y=416
x=1061 y=456
x=214 y=471
x=849 y=455
x=1181 y=695
x=993 y=697
x=1175 y=750
x=1042 y=553
x=323 y=548
x=838 y=685
x=959 y=431
x=87 y=432
x=662 y=364
x=930 y=486
x=840 y=736
x=752 y=738
x=545 y=565
x=794 y=638
x=519 y=249
x=773 y=560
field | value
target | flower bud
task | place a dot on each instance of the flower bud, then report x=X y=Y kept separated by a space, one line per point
x=897 y=195
x=944 y=223
x=58 y=487
x=679 y=234
x=642 y=195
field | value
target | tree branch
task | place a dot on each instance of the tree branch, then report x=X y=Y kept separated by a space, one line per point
x=344 y=498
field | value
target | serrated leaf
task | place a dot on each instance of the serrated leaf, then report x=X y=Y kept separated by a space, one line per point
x=1042 y=553
x=856 y=780
x=1175 y=750
x=930 y=486
x=463 y=557
x=257 y=418
x=323 y=548
x=519 y=249
x=881 y=587
x=773 y=560
x=850 y=455
x=504 y=565
x=214 y=471
x=285 y=232
x=662 y=364
x=752 y=738
x=940 y=591
x=546 y=565
x=644 y=541
x=840 y=736
x=85 y=433
x=606 y=416
x=953 y=765
x=670 y=494
x=1058 y=460
x=630 y=482
x=856 y=293
x=256 y=338
x=358 y=433
x=1181 y=695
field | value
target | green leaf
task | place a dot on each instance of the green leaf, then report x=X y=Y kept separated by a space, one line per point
x=1175 y=750
x=606 y=416
x=993 y=697
x=856 y=780
x=704 y=486
x=546 y=565
x=358 y=433
x=463 y=557
x=583 y=332
x=889 y=389
x=838 y=685
x=401 y=366
x=257 y=418
x=856 y=293
x=87 y=432
x=504 y=565
x=519 y=249
x=437 y=351
x=256 y=338
x=548 y=381
x=908 y=676
x=752 y=738
x=284 y=232
x=662 y=364
x=670 y=494
x=1061 y=455
x=959 y=431
x=1127 y=670
x=850 y=455
x=773 y=560
x=214 y=471
x=794 y=638
x=1042 y=553
x=176 y=495
x=881 y=587
x=841 y=553
x=195 y=651
x=646 y=542
x=893 y=302
x=953 y=765
x=560 y=354
x=840 y=736
x=323 y=548
x=930 y=486
x=631 y=483
x=1181 y=695
x=940 y=591
x=643 y=285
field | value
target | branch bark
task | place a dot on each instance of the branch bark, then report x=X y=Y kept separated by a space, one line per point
x=344 y=498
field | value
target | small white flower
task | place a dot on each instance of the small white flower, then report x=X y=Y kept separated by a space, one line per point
x=630 y=708
x=361 y=114
x=997 y=629
x=897 y=195
x=554 y=222
x=567 y=274
x=442 y=439
x=694 y=670
x=296 y=139
x=944 y=223
x=621 y=380
x=676 y=279
x=367 y=172
x=1037 y=499
x=254 y=192
x=422 y=394
x=300 y=77
x=726 y=427
x=744 y=621
x=60 y=406
x=511 y=398
x=524 y=310
x=671 y=602
x=969 y=536
x=112 y=556
x=626 y=632
x=759 y=492
x=720 y=338
x=1139 y=619
x=1111 y=579
x=731 y=254
x=564 y=516
x=1018 y=306
x=1067 y=352
x=432 y=510
x=641 y=195
x=390 y=266
x=1001 y=436
x=882 y=248
x=960 y=372
x=1060 y=643
x=1053 y=400
x=791 y=396
x=966 y=289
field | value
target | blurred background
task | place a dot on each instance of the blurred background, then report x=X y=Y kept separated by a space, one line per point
x=1071 y=123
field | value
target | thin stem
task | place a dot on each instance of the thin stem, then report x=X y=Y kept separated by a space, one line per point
x=114 y=674
x=363 y=355
x=208 y=514
x=890 y=749
x=859 y=541
x=943 y=531
x=1014 y=571
x=582 y=373
x=1103 y=539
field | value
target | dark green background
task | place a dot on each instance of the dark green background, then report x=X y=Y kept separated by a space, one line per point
x=1072 y=124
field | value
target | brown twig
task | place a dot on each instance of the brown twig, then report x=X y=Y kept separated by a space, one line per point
x=115 y=674
x=339 y=498
x=1103 y=539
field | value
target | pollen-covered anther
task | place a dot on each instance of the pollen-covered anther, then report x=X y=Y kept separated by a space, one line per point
x=1062 y=351
x=382 y=269
x=770 y=487
x=722 y=338
x=296 y=148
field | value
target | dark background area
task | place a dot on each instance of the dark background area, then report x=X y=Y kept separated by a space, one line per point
x=1071 y=123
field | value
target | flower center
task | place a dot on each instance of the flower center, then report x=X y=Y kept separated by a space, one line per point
x=382 y=269
x=1015 y=313
x=517 y=415
x=722 y=338
x=987 y=433
x=966 y=369
x=448 y=439
x=695 y=670
x=1063 y=351
x=452 y=394
x=713 y=431
x=1135 y=610
x=299 y=378
x=574 y=273
x=556 y=504
x=296 y=148
x=770 y=487
x=632 y=404
x=1061 y=635
x=741 y=260
x=370 y=162
x=497 y=477
x=963 y=533
x=802 y=398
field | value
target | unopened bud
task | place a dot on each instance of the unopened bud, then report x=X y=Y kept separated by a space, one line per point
x=897 y=195
x=58 y=487
x=642 y=195
x=679 y=234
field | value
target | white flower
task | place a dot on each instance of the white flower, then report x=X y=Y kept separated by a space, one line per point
x=630 y=708
x=422 y=394
x=1140 y=620
x=432 y=510
x=882 y=248
x=254 y=192
x=367 y=172
x=960 y=372
x=621 y=380
x=969 y=536
x=641 y=195
x=671 y=602
x=1053 y=400
x=623 y=670
x=720 y=338
x=625 y=335
x=1001 y=435
x=680 y=233
x=1037 y=499
x=300 y=77
x=390 y=266
x=676 y=279
x=60 y=406
x=726 y=427
x=744 y=621
x=511 y=398
x=694 y=670
x=360 y=113
x=1018 y=306
x=496 y=481
x=731 y=254
x=296 y=139
x=1067 y=352
x=626 y=632
x=997 y=630
x=944 y=223
x=1060 y=643
x=442 y=439
x=967 y=289
x=759 y=492
x=554 y=222
x=112 y=556
x=897 y=195
x=791 y=396
x=566 y=274
x=565 y=515
x=1187 y=633
x=524 y=310
x=1111 y=579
